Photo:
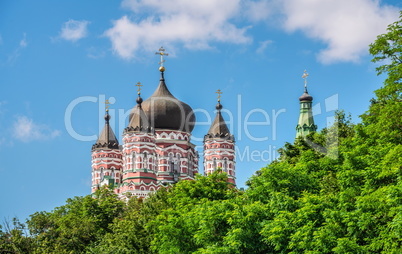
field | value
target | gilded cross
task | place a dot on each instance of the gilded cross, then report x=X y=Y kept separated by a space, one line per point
x=107 y=103
x=305 y=76
x=219 y=92
x=139 y=87
x=162 y=54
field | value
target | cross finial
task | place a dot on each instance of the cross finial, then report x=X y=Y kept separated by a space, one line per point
x=139 y=87
x=162 y=54
x=107 y=103
x=304 y=76
x=219 y=92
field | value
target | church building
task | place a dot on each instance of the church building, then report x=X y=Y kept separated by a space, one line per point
x=157 y=149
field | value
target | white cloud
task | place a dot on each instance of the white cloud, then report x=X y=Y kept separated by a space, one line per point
x=263 y=46
x=12 y=58
x=74 y=30
x=193 y=24
x=260 y=10
x=95 y=53
x=23 y=41
x=346 y=27
x=26 y=130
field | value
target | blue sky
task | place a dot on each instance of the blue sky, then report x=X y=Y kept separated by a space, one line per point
x=59 y=60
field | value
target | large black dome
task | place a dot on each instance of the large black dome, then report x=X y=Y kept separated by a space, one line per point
x=164 y=111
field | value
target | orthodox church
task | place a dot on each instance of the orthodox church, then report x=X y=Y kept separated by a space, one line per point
x=157 y=149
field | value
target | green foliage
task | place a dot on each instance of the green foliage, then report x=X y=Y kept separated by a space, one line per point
x=385 y=113
x=131 y=232
x=196 y=217
x=15 y=238
x=78 y=224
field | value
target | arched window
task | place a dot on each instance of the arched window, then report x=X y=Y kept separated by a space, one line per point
x=101 y=172
x=134 y=161
x=178 y=164
x=156 y=162
x=151 y=162
x=225 y=164
x=172 y=166
x=190 y=166
x=145 y=161
x=171 y=163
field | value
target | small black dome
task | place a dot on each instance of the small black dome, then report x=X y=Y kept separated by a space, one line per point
x=306 y=97
x=139 y=99
x=218 y=106
x=107 y=117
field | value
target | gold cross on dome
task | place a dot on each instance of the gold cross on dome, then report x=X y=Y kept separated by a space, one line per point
x=162 y=54
x=219 y=92
x=139 y=87
x=107 y=103
x=305 y=76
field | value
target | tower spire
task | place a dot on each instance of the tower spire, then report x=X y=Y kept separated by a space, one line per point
x=107 y=117
x=219 y=146
x=219 y=127
x=106 y=139
x=164 y=110
x=107 y=146
x=305 y=124
x=138 y=121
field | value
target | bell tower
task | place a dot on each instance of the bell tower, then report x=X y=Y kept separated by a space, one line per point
x=106 y=157
x=219 y=146
x=306 y=121
x=138 y=153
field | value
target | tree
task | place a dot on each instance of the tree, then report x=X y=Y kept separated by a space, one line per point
x=385 y=113
x=131 y=232
x=196 y=215
x=75 y=226
x=15 y=238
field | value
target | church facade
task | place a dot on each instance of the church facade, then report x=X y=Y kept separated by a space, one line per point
x=157 y=149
